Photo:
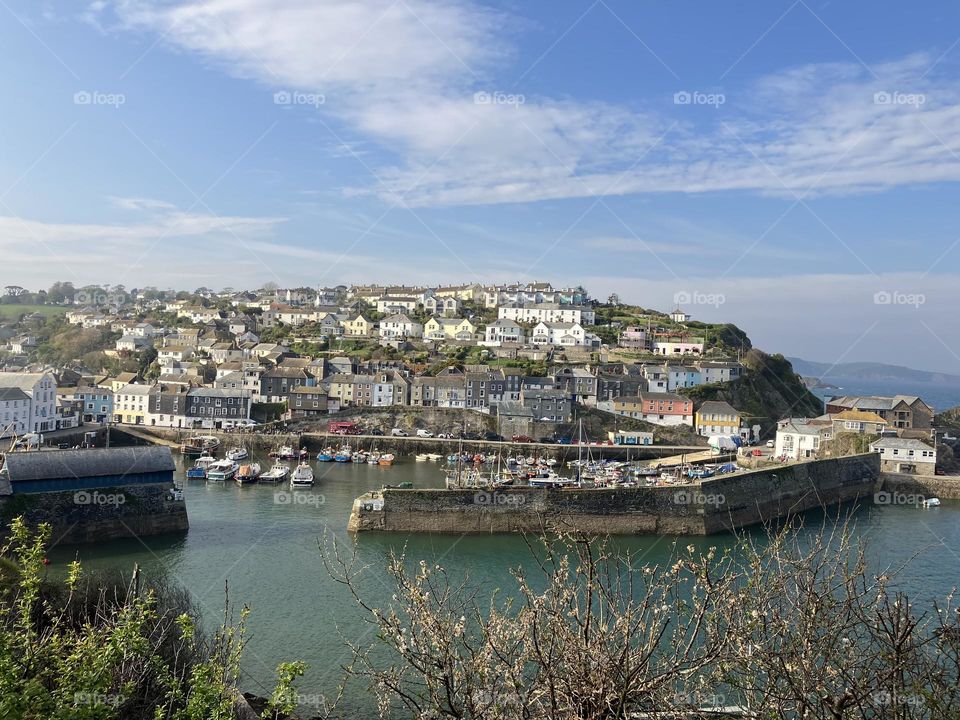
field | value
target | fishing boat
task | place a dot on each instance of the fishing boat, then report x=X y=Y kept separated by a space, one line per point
x=199 y=469
x=237 y=453
x=200 y=444
x=931 y=502
x=302 y=476
x=699 y=473
x=247 y=474
x=373 y=458
x=385 y=459
x=288 y=452
x=422 y=457
x=552 y=480
x=221 y=471
x=325 y=455
x=277 y=474
x=434 y=457
x=343 y=456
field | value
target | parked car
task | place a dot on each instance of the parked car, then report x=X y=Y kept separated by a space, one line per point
x=548 y=441
x=399 y=432
x=424 y=433
x=564 y=440
x=444 y=435
x=491 y=436
x=375 y=431
x=770 y=443
x=472 y=436
x=522 y=439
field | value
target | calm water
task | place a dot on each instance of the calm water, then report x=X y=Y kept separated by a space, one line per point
x=268 y=552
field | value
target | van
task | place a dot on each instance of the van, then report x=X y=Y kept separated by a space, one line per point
x=398 y=432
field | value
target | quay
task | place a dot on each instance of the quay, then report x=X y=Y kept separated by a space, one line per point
x=718 y=504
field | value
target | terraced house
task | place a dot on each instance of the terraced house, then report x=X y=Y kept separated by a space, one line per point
x=715 y=417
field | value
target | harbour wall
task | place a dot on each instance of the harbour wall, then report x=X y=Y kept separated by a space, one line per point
x=94 y=515
x=715 y=505
x=944 y=487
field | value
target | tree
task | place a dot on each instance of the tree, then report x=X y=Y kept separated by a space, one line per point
x=791 y=627
x=614 y=299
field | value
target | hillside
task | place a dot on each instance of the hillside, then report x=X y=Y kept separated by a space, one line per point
x=769 y=390
x=949 y=419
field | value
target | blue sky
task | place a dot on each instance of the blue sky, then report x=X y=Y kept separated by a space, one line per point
x=788 y=166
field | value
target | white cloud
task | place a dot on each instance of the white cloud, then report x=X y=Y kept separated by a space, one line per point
x=402 y=75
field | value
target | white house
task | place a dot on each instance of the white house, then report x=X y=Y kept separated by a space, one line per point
x=798 y=438
x=41 y=391
x=441 y=305
x=547 y=312
x=504 y=331
x=132 y=343
x=902 y=455
x=677 y=346
x=558 y=334
x=400 y=326
x=397 y=304
x=131 y=403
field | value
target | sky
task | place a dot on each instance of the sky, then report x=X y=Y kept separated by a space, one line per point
x=789 y=166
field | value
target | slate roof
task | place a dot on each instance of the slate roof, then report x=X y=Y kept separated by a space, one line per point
x=12 y=393
x=70 y=464
x=901 y=444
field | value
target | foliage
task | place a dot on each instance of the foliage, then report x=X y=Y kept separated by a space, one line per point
x=790 y=626
x=77 y=650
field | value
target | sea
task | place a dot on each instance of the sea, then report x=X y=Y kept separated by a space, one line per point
x=941 y=396
x=261 y=543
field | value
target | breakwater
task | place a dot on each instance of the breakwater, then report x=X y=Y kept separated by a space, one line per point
x=708 y=507
x=925 y=486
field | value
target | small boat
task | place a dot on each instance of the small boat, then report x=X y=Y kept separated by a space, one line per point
x=247 y=474
x=931 y=502
x=373 y=458
x=343 y=457
x=199 y=469
x=552 y=481
x=278 y=473
x=385 y=459
x=421 y=457
x=288 y=452
x=237 y=453
x=302 y=476
x=200 y=445
x=221 y=471
x=399 y=486
x=325 y=455
x=434 y=457
x=699 y=473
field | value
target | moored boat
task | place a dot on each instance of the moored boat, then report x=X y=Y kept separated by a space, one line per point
x=247 y=474
x=237 y=453
x=199 y=469
x=221 y=471
x=278 y=473
x=200 y=444
x=302 y=476
x=385 y=459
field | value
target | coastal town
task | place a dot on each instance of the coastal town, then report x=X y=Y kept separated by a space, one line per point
x=523 y=362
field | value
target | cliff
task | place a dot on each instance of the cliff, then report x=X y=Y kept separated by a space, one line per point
x=768 y=390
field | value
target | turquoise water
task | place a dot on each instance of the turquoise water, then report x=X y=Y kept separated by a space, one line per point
x=268 y=552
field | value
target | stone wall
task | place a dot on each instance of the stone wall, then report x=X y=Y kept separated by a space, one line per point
x=945 y=487
x=714 y=506
x=102 y=514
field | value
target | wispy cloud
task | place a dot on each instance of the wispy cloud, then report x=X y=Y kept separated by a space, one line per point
x=402 y=75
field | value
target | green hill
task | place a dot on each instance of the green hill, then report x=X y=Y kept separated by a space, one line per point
x=768 y=390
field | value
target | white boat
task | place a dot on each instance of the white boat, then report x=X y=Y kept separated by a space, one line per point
x=221 y=471
x=434 y=457
x=278 y=473
x=200 y=467
x=237 y=453
x=302 y=476
x=422 y=457
x=247 y=473
x=931 y=502
x=552 y=480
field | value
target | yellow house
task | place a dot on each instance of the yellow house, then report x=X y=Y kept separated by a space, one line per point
x=715 y=417
x=449 y=329
x=357 y=326
x=131 y=404
x=341 y=386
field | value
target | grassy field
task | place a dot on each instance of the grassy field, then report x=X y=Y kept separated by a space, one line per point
x=13 y=312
